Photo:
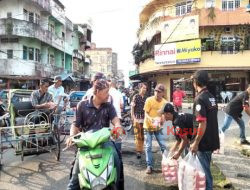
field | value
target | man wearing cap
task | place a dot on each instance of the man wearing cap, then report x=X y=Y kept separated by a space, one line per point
x=153 y=123
x=57 y=92
x=90 y=92
x=205 y=110
x=182 y=128
x=178 y=96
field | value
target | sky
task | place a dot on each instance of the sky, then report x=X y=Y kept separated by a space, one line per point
x=114 y=24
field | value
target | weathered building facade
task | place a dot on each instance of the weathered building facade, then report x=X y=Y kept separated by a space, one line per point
x=37 y=41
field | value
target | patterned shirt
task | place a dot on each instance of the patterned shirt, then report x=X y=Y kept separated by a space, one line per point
x=138 y=103
x=88 y=117
x=36 y=96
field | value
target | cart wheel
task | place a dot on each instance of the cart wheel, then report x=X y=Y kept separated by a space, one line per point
x=56 y=144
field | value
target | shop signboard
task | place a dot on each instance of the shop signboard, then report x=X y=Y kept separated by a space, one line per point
x=178 y=53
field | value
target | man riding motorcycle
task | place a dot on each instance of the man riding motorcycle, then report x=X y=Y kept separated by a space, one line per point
x=93 y=114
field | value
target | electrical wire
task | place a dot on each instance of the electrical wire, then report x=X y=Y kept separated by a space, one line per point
x=175 y=27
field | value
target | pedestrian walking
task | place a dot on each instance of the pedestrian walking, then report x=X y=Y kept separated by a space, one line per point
x=233 y=111
x=205 y=109
x=137 y=116
x=178 y=96
x=153 y=123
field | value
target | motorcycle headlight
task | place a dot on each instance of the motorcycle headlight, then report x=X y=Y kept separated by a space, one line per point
x=110 y=165
x=98 y=184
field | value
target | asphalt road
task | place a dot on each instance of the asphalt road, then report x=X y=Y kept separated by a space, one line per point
x=43 y=172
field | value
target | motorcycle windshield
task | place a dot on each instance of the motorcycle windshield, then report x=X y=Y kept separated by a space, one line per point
x=92 y=139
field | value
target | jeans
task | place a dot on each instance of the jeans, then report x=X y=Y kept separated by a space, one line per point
x=205 y=160
x=228 y=120
x=118 y=146
x=74 y=182
x=159 y=137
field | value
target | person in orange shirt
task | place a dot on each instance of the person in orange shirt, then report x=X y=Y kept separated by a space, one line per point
x=178 y=96
x=153 y=123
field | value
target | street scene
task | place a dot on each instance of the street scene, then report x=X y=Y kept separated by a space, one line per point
x=114 y=95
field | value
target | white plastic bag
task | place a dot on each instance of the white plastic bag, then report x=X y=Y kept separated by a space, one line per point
x=190 y=174
x=169 y=168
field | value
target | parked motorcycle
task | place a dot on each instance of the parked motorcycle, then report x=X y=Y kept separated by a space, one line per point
x=96 y=163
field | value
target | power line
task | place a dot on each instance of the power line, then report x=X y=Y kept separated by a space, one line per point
x=175 y=27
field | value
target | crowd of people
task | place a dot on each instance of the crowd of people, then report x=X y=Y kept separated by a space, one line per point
x=103 y=104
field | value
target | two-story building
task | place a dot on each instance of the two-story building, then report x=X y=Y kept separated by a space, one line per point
x=176 y=38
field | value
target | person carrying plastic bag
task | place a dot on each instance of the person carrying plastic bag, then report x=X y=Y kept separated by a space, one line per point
x=182 y=129
x=190 y=174
x=207 y=138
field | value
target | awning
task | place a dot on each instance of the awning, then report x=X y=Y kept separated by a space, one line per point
x=67 y=77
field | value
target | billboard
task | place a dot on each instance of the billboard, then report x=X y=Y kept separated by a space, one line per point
x=178 y=53
x=183 y=29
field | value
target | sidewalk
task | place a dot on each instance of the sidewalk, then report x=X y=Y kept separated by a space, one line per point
x=234 y=165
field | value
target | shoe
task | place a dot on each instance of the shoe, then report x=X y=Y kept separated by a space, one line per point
x=149 y=170
x=138 y=155
x=245 y=142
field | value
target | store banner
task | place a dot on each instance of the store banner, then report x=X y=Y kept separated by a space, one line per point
x=178 y=53
x=177 y=29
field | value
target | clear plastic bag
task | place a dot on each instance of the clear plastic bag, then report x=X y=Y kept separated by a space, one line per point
x=169 y=168
x=190 y=174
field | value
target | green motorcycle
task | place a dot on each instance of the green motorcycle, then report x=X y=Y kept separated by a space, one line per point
x=96 y=163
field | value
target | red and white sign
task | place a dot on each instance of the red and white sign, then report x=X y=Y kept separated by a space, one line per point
x=165 y=54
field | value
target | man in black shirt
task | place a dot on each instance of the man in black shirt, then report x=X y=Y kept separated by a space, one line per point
x=233 y=111
x=93 y=114
x=182 y=127
x=205 y=110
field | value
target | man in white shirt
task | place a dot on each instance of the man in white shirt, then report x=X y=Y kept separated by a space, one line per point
x=117 y=99
x=57 y=92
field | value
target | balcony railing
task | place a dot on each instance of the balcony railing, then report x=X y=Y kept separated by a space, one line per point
x=23 y=28
x=44 y=4
x=17 y=67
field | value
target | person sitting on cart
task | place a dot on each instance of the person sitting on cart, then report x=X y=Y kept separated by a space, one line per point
x=182 y=129
x=93 y=114
x=41 y=99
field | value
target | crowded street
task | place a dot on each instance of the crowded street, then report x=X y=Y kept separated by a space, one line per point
x=124 y=95
x=43 y=172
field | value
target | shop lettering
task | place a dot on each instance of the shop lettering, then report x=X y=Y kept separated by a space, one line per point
x=188 y=50
x=165 y=52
